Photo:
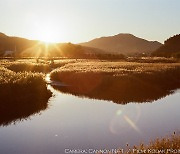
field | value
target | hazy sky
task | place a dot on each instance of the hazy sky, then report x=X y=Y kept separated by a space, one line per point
x=82 y=20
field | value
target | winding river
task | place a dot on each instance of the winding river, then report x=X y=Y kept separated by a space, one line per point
x=72 y=122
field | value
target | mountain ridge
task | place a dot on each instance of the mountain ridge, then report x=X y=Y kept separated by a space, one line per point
x=34 y=48
x=123 y=43
x=129 y=45
x=171 y=47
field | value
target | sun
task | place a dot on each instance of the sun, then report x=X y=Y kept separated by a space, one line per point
x=49 y=32
x=48 y=35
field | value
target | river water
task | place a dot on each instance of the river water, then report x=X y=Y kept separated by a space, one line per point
x=72 y=122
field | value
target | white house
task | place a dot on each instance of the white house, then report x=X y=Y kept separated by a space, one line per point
x=8 y=53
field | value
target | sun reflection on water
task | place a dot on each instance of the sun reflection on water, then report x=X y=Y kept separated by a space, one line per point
x=123 y=119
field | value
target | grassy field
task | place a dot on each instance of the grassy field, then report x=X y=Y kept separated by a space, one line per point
x=23 y=90
x=21 y=94
x=169 y=144
x=41 y=66
x=121 y=82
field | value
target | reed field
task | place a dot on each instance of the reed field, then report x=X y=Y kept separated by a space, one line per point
x=23 y=89
x=168 y=144
x=117 y=68
x=121 y=82
x=34 y=65
x=21 y=94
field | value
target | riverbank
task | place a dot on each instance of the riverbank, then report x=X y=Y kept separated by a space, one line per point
x=120 y=82
x=169 y=144
x=21 y=94
x=101 y=123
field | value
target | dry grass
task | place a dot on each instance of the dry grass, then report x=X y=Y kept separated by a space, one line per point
x=21 y=94
x=22 y=82
x=23 y=90
x=28 y=66
x=43 y=66
x=60 y=63
x=116 y=68
x=153 y=60
x=160 y=145
x=121 y=82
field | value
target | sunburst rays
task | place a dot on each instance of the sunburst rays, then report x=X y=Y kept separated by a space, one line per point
x=43 y=49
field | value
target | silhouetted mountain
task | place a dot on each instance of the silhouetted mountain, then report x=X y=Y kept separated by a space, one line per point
x=171 y=48
x=127 y=44
x=14 y=43
x=34 y=48
x=65 y=50
x=2 y=35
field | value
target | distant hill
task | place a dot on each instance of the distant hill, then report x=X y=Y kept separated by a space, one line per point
x=34 y=48
x=2 y=35
x=59 y=50
x=171 y=48
x=14 y=43
x=127 y=44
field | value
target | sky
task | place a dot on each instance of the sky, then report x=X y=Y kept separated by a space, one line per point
x=83 y=20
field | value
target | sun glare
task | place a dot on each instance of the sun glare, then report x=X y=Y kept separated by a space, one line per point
x=48 y=36
x=48 y=32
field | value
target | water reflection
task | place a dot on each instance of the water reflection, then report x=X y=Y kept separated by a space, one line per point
x=122 y=90
x=80 y=123
x=12 y=112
